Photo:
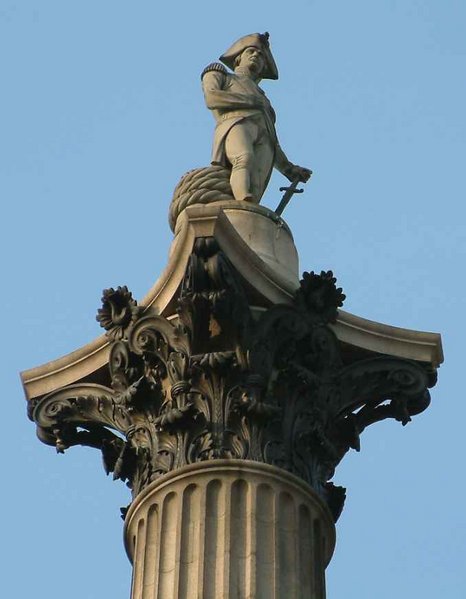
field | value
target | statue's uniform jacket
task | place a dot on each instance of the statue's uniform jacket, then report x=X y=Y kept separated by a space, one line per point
x=234 y=98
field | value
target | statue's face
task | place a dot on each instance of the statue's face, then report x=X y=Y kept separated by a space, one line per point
x=253 y=59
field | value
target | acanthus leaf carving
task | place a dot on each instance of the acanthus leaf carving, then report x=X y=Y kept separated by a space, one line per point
x=217 y=381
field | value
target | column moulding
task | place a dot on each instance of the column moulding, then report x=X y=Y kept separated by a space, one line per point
x=227 y=529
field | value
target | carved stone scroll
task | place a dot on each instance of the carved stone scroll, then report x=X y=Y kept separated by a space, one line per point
x=224 y=381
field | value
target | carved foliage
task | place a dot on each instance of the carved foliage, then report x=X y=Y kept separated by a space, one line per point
x=217 y=382
x=118 y=310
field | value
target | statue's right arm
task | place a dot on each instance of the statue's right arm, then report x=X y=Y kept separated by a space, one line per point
x=218 y=98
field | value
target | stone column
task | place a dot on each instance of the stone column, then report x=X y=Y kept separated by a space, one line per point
x=225 y=401
x=229 y=529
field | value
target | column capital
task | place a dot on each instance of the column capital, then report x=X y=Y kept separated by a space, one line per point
x=226 y=375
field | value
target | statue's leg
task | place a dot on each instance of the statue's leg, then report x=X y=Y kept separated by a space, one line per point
x=239 y=149
x=264 y=152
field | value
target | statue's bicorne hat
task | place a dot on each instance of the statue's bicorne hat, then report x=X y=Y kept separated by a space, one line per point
x=255 y=40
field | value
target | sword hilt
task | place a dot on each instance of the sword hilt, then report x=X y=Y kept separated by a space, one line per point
x=289 y=192
x=292 y=189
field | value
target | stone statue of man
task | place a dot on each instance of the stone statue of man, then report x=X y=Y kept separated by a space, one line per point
x=245 y=138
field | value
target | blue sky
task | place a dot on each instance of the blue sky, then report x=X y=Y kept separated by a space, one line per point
x=101 y=113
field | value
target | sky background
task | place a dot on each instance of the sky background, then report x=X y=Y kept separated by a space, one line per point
x=101 y=112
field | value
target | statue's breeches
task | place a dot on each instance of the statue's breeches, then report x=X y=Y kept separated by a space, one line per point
x=250 y=150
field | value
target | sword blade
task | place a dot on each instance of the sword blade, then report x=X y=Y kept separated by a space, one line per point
x=290 y=191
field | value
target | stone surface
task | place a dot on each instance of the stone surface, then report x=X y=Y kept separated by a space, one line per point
x=229 y=529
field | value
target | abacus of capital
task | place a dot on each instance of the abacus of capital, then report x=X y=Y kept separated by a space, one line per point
x=227 y=397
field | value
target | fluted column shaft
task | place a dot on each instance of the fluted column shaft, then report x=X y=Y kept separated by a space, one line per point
x=229 y=529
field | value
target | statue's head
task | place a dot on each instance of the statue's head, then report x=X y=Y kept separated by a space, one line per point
x=251 y=58
x=253 y=52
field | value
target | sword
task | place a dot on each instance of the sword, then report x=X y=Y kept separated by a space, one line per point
x=289 y=192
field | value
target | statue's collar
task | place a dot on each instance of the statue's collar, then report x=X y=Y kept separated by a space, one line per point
x=244 y=72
